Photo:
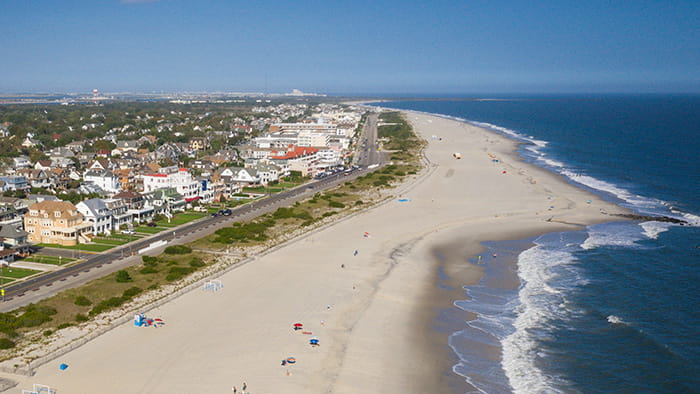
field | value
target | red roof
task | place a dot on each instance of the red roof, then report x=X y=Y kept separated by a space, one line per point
x=159 y=175
x=297 y=151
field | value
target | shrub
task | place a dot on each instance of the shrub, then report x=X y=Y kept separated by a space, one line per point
x=327 y=214
x=283 y=213
x=149 y=259
x=336 y=204
x=243 y=232
x=178 y=249
x=107 y=304
x=148 y=270
x=196 y=262
x=130 y=292
x=80 y=318
x=123 y=277
x=47 y=333
x=82 y=301
x=359 y=202
x=178 y=272
x=63 y=325
x=34 y=316
x=6 y=343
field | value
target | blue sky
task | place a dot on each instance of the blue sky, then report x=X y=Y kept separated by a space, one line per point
x=351 y=46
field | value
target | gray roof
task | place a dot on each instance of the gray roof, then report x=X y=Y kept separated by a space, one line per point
x=11 y=232
x=95 y=205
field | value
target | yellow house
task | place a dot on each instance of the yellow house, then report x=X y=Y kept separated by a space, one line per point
x=55 y=222
x=198 y=143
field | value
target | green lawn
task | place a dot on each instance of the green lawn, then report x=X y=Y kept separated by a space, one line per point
x=262 y=190
x=85 y=247
x=14 y=272
x=148 y=230
x=109 y=241
x=288 y=185
x=181 y=218
x=39 y=258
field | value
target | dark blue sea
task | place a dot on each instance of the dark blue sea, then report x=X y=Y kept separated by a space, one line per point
x=612 y=308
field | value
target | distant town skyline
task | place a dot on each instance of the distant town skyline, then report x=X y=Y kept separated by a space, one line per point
x=357 y=47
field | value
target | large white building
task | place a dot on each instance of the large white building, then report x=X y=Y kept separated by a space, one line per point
x=106 y=180
x=181 y=180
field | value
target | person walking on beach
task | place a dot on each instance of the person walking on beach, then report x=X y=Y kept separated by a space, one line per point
x=234 y=389
x=245 y=386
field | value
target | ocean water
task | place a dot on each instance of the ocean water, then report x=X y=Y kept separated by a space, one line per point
x=614 y=307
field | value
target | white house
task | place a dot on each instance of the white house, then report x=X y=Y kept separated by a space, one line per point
x=21 y=162
x=266 y=172
x=121 y=217
x=96 y=212
x=181 y=180
x=247 y=176
x=106 y=180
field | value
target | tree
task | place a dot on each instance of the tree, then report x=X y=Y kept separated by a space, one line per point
x=36 y=155
x=104 y=145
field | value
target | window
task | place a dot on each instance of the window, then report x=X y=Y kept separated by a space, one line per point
x=57 y=214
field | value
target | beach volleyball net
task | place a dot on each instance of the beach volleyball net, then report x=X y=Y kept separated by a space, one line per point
x=39 y=389
x=213 y=285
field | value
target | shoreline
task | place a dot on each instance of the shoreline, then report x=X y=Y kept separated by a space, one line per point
x=367 y=312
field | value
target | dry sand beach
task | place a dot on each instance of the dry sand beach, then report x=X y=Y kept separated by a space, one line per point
x=374 y=317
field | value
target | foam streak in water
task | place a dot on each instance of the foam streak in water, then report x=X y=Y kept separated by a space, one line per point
x=540 y=303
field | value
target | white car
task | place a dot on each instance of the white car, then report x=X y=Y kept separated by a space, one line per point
x=127 y=231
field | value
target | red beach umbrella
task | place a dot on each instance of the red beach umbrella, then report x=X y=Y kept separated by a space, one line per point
x=298 y=325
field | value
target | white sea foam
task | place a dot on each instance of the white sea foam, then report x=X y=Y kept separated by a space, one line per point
x=540 y=303
x=612 y=234
x=693 y=220
x=653 y=229
x=551 y=162
x=615 y=320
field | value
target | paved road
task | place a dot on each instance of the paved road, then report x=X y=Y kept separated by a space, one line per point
x=99 y=265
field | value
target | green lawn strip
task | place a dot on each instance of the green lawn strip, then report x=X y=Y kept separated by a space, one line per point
x=262 y=190
x=148 y=230
x=125 y=237
x=180 y=219
x=4 y=281
x=109 y=241
x=288 y=185
x=38 y=258
x=14 y=272
x=85 y=247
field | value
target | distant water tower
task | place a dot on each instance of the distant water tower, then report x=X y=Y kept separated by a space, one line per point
x=95 y=95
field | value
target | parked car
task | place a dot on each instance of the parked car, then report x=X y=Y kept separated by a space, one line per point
x=127 y=231
x=152 y=224
x=227 y=212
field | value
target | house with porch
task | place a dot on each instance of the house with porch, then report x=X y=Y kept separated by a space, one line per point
x=96 y=213
x=55 y=222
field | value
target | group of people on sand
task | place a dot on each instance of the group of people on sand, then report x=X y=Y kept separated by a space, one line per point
x=243 y=389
